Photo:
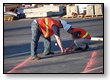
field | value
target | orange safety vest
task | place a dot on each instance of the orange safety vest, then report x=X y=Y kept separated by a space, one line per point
x=84 y=34
x=46 y=24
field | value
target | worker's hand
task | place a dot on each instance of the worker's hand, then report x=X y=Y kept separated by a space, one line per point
x=62 y=51
x=66 y=49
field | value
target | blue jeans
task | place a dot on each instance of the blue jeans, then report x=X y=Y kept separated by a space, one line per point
x=81 y=43
x=36 y=33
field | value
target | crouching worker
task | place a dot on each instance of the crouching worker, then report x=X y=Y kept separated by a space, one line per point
x=81 y=38
x=46 y=27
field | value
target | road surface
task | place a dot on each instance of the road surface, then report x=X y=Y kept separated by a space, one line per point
x=17 y=38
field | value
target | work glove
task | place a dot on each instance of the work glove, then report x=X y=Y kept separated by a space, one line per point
x=68 y=49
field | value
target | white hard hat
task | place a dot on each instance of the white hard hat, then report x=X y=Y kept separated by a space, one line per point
x=65 y=25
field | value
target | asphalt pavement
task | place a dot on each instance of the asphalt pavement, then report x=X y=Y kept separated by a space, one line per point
x=17 y=38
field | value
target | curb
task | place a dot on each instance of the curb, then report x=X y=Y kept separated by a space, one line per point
x=85 y=20
x=96 y=39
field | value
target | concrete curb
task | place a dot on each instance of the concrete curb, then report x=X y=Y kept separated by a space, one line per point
x=84 y=20
x=96 y=39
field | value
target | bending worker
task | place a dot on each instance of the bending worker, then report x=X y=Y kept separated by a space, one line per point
x=46 y=27
x=81 y=38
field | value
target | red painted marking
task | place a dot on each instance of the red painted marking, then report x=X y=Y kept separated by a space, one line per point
x=90 y=62
x=20 y=65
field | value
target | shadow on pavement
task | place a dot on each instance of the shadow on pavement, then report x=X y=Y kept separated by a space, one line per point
x=24 y=49
x=73 y=52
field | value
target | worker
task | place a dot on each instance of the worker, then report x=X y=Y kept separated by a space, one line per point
x=81 y=38
x=46 y=27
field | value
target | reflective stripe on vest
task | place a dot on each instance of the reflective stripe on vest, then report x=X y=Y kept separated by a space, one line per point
x=85 y=35
x=46 y=22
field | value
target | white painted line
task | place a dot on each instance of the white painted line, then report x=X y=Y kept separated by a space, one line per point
x=96 y=39
x=93 y=69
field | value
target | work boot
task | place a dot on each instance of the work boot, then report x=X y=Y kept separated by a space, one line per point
x=49 y=53
x=87 y=47
x=36 y=57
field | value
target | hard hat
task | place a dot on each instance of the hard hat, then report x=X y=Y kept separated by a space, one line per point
x=65 y=25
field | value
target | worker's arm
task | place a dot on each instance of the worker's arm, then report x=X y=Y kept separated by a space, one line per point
x=56 y=31
x=59 y=43
x=70 y=48
x=75 y=37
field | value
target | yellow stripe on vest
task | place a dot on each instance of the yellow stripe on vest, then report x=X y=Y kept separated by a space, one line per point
x=47 y=32
x=85 y=35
